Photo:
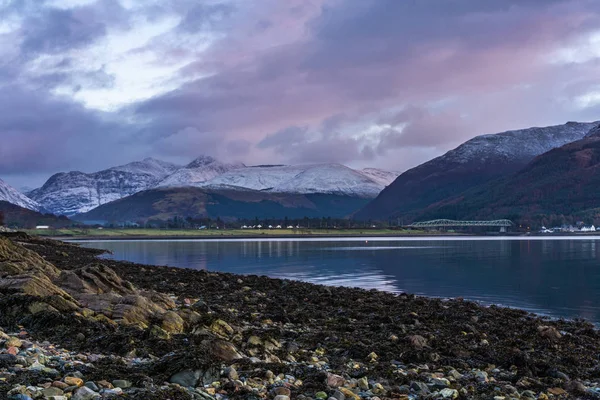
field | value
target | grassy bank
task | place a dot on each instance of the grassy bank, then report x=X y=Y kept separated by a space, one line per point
x=111 y=233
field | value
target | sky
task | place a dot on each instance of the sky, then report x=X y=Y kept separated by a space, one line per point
x=85 y=85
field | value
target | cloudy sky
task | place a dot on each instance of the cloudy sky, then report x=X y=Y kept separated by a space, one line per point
x=88 y=84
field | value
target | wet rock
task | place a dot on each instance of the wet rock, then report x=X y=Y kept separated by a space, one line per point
x=449 y=393
x=221 y=329
x=481 y=376
x=121 y=383
x=231 y=373
x=576 y=387
x=85 y=393
x=282 y=391
x=52 y=391
x=335 y=381
x=13 y=342
x=186 y=378
x=73 y=381
x=7 y=360
x=417 y=341
x=224 y=350
x=440 y=383
x=172 y=322
x=549 y=332
x=281 y=397
x=363 y=383
x=419 y=387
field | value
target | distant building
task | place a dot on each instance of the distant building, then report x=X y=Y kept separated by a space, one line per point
x=42 y=227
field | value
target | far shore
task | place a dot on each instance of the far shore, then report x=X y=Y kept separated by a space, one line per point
x=214 y=234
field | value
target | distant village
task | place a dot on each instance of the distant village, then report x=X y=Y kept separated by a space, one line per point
x=578 y=227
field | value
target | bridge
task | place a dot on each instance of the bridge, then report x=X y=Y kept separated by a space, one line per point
x=448 y=223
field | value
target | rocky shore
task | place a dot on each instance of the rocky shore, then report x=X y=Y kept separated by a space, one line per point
x=81 y=327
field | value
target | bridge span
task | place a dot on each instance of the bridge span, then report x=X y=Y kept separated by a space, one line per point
x=448 y=223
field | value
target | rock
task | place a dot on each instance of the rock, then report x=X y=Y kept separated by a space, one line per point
x=363 y=383
x=52 y=391
x=557 y=391
x=481 y=376
x=321 y=395
x=13 y=342
x=281 y=397
x=60 y=385
x=282 y=391
x=440 y=383
x=7 y=360
x=186 y=378
x=121 y=383
x=85 y=393
x=576 y=387
x=417 y=341
x=92 y=386
x=73 y=381
x=455 y=374
x=172 y=322
x=419 y=387
x=224 y=350
x=379 y=389
x=20 y=397
x=335 y=381
x=231 y=373
x=349 y=394
x=255 y=341
x=221 y=328
x=449 y=393
x=338 y=396
x=549 y=332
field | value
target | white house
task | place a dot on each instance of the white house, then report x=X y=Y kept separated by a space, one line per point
x=42 y=227
x=588 y=229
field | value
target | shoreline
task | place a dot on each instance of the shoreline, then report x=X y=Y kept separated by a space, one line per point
x=190 y=334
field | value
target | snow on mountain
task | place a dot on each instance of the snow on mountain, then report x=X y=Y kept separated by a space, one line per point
x=331 y=179
x=150 y=166
x=257 y=178
x=198 y=172
x=76 y=192
x=305 y=179
x=12 y=195
x=380 y=176
x=523 y=144
x=473 y=163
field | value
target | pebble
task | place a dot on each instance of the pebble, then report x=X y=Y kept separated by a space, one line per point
x=121 y=383
x=73 y=381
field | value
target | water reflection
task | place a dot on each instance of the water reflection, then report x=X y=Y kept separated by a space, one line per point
x=555 y=277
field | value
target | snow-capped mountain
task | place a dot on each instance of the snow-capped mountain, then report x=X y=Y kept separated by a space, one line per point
x=330 y=179
x=523 y=144
x=69 y=193
x=198 y=172
x=473 y=163
x=12 y=195
x=302 y=179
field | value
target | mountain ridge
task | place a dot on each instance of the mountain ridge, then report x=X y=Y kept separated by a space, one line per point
x=473 y=163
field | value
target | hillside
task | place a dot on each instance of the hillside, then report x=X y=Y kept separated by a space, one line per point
x=563 y=181
x=476 y=162
x=166 y=203
x=15 y=216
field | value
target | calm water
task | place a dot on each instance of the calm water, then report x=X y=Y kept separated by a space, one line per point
x=559 y=277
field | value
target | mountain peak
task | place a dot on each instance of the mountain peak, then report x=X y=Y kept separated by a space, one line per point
x=12 y=195
x=202 y=161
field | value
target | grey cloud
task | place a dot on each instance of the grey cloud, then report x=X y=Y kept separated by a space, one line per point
x=286 y=137
x=54 y=30
x=203 y=17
